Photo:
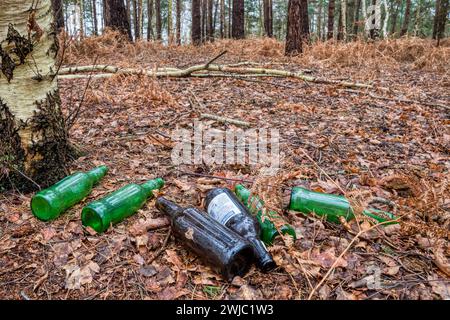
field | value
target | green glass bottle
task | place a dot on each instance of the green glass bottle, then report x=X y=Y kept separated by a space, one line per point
x=331 y=206
x=268 y=229
x=118 y=205
x=48 y=204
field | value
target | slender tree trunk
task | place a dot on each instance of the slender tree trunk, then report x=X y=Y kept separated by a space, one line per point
x=350 y=16
x=268 y=18
x=196 y=31
x=343 y=18
x=81 y=6
x=34 y=147
x=340 y=26
x=58 y=14
x=210 y=21
x=158 y=19
x=230 y=10
x=116 y=17
x=238 y=23
x=417 y=19
x=222 y=19
x=330 y=19
x=178 y=24
x=150 y=18
x=304 y=19
x=436 y=18
x=406 y=19
x=294 y=28
x=319 y=20
x=137 y=19
x=441 y=20
x=356 y=18
x=204 y=19
x=94 y=17
x=169 y=23
x=394 y=15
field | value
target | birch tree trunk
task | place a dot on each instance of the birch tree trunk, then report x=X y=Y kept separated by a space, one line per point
x=34 y=147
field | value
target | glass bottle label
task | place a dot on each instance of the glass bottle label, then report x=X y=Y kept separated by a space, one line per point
x=222 y=209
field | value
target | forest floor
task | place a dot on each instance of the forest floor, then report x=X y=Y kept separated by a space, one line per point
x=332 y=140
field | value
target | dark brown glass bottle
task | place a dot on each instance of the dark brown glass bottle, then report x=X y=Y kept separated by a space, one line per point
x=223 y=206
x=221 y=247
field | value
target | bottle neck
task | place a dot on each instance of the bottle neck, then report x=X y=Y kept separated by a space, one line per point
x=97 y=174
x=151 y=185
x=168 y=207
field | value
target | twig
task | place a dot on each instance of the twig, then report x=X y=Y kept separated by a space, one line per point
x=215 y=58
x=361 y=232
x=372 y=95
x=225 y=120
x=160 y=250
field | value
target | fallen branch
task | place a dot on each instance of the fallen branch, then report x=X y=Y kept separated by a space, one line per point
x=163 y=247
x=107 y=71
x=225 y=120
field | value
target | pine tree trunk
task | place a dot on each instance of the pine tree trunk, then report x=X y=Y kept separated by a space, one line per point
x=238 y=23
x=58 y=14
x=304 y=19
x=210 y=21
x=150 y=18
x=268 y=18
x=178 y=25
x=294 y=28
x=94 y=17
x=330 y=19
x=406 y=19
x=158 y=19
x=137 y=26
x=340 y=27
x=34 y=147
x=116 y=17
x=196 y=31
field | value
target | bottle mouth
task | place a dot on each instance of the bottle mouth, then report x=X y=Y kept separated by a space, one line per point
x=42 y=209
x=92 y=219
x=267 y=265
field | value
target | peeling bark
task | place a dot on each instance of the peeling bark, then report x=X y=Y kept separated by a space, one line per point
x=34 y=147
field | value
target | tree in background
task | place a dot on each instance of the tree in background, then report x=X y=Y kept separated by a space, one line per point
x=268 y=18
x=158 y=19
x=238 y=23
x=34 y=147
x=294 y=28
x=196 y=30
x=150 y=34
x=178 y=22
x=330 y=19
x=440 y=19
x=58 y=14
x=116 y=17
x=406 y=19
